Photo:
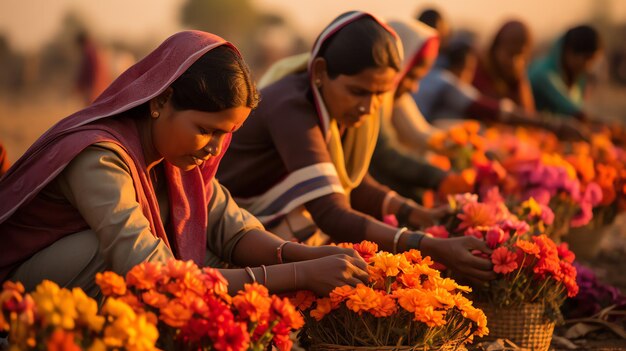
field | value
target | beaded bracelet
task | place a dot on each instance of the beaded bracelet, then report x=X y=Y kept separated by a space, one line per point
x=251 y=274
x=396 y=238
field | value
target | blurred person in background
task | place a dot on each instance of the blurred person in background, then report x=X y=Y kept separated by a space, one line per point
x=300 y=162
x=501 y=72
x=434 y=19
x=559 y=79
x=93 y=76
x=398 y=160
x=446 y=94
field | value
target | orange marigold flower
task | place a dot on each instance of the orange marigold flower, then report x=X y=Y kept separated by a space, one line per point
x=476 y=214
x=413 y=256
x=363 y=299
x=387 y=306
x=322 y=308
x=428 y=198
x=528 y=247
x=340 y=294
x=565 y=254
x=215 y=281
x=478 y=316
x=303 y=299
x=289 y=317
x=366 y=249
x=458 y=135
x=154 y=299
x=62 y=340
x=175 y=313
x=440 y=161
x=145 y=275
x=111 y=284
x=430 y=316
x=504 y=261
x=253 y=302
x=178 y=269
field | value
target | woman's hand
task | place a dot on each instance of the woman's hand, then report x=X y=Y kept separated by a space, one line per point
x=456 y=254
x=324 y=274
x=422 y=216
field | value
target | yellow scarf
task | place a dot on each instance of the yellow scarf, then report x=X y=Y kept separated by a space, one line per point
x=351 y=157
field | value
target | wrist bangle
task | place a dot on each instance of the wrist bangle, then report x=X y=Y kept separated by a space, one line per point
x=414 y=241
x=403 y=213
x=396 y=238
x=251 y=274
x=279 y=251
x=264 y=274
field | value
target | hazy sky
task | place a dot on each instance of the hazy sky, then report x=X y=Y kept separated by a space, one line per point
x=29 y=23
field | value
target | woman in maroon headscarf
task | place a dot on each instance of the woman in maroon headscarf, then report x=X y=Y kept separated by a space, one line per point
x=131 y=179
x=501 y=72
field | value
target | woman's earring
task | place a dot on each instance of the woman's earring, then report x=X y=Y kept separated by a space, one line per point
x=155 y=114
x=318 y=83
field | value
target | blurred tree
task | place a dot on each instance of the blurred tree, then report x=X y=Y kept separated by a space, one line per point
x=230 y=19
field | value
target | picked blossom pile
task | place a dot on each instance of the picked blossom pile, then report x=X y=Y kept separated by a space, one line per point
x=406 y=303
x=531 y=267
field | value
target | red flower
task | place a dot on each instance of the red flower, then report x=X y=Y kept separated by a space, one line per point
x=565 y=254
x=366 y=249
x=504 y=261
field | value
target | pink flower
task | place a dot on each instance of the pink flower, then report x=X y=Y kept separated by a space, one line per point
x=504 y=261
x=593 y=194
x=391 y=220
x=495 y=236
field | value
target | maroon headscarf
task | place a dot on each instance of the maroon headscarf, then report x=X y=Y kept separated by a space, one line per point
x=29 y=223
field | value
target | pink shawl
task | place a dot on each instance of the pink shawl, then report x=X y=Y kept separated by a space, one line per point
x=29 y=223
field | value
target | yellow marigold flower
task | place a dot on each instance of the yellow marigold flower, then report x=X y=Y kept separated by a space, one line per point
x=390 y=264
x=87 y=309
x=175 y=313
x=111 y=283
x=363 y=299
x=97 y=345
x=413 y=256
x=532 y=206
x=55 y=305
x=322 y=308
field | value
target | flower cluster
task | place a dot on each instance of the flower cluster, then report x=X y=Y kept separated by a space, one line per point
x=531 y=267
x=406 y=302
x=62 y=319
x=193 y=310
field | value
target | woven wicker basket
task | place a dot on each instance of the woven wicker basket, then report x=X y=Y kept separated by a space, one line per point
x=525 y=325
x=331 y=347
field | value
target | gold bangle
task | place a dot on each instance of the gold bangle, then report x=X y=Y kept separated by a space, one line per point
x=396 y=238
x=251 y=274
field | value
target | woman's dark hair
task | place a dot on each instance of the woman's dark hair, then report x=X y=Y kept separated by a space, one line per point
x=583 y=40
x=219 y=80
x=456 y=53
x=359 y=45
x=430 y=17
